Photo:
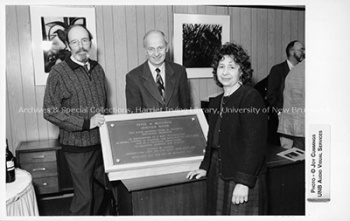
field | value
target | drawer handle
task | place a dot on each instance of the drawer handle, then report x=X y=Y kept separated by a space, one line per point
x=39 y=157
x=39 y=169
x=44 y=184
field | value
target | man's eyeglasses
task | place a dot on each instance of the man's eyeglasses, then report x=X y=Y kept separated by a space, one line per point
x=76 y=43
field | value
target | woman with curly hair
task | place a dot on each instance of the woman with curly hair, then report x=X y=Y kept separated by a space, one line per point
x=234 y=160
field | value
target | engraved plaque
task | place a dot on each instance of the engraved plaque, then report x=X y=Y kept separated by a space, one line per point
x=148 y=144
x=155 y=139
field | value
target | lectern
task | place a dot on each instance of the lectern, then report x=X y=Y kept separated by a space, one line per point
x=147 y=157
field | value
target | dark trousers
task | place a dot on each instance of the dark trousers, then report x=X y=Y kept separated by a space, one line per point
x=89 y=182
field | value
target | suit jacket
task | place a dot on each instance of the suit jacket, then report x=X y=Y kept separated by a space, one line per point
x=142 y=94
x=275 y=86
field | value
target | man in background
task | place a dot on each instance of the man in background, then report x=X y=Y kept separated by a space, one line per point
x=295 y=53
x=74 y=100
x=292 y=120
x=157 y=84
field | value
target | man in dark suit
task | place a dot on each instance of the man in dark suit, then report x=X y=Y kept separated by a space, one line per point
x=295 y=53
x=156 y=85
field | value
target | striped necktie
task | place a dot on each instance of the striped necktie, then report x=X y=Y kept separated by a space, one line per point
x=160 y=83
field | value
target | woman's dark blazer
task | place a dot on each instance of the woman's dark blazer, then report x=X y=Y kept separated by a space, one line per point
x=242 y=139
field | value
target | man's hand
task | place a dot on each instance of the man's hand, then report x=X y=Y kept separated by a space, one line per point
x=240 y=194
x=97 y=121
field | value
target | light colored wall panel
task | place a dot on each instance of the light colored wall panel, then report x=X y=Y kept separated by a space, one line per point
x=301 y=26
x=120 y=58
x=271 y=39
x=27 y=73
x=43 y=124
x=246 y=29
x=14 y=76
x=294 y=25
x=235 y=23
x=279 y=48
x=141 y=31
x=263 y=32
x=262 y=42
x=285 y=31
x=109 y=50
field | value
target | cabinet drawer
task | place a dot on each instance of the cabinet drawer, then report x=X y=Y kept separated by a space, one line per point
x=37 y=157
x=46 y=185
x=41 y=169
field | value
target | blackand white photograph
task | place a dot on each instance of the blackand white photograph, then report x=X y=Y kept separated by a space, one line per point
x=175 y=111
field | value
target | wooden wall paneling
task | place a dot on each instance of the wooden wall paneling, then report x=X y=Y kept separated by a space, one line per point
x=210 y=10
x=235 y=25
x=121 y=55
x=14 y=78
x=201 y=9
x=285 y=30
x=181 y=9
x=271 y=39
x=254 y=55
x=161 y=22
x=9 y=134
x=161 y=18
x=149 y=17
x=109 y=52
x=301 y=27
x=131 y=39
x=101 y=57
x=262 y=46
x=246 y=29
x=141 y=31
x=43 y=124
x=279 y=48
x=294 y=25
x=222 y=10
x=170 y=34
x=26 y=65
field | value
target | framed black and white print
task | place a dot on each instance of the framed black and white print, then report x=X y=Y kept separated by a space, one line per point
x=196 y=37
x=48 y=35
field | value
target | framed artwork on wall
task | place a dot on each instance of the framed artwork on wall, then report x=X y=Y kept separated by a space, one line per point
x=196 y=37
x=48 y=25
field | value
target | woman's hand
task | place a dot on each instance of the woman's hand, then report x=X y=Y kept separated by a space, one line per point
x=196 y=173
x=240 y=194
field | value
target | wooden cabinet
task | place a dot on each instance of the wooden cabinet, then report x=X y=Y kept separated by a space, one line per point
x=44 y=160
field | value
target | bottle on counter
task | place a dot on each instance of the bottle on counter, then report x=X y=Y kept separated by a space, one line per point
x=10 y=165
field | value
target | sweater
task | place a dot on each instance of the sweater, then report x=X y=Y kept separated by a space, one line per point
x=72 y=96
x=242 y=137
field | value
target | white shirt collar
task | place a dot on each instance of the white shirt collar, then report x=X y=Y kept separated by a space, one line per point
x=80 y=63
x=290 y=65
x=154 y=74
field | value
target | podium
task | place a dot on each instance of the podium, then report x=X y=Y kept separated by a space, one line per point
x=147 y=157
x=170 y=194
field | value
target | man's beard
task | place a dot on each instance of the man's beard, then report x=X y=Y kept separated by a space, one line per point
x=299 y=58
x=82 y=55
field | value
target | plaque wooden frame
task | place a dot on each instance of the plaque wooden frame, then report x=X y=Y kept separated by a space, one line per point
x=149 y=168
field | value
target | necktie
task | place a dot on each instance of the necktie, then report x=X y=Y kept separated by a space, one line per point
x=86 y=67
x=160 y=83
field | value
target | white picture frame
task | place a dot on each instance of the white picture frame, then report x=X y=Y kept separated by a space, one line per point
x=179 y=21
x=42 y=18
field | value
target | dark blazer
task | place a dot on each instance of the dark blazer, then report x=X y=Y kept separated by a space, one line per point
x=242 y=137
x=275 y=85
x=142 y=94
